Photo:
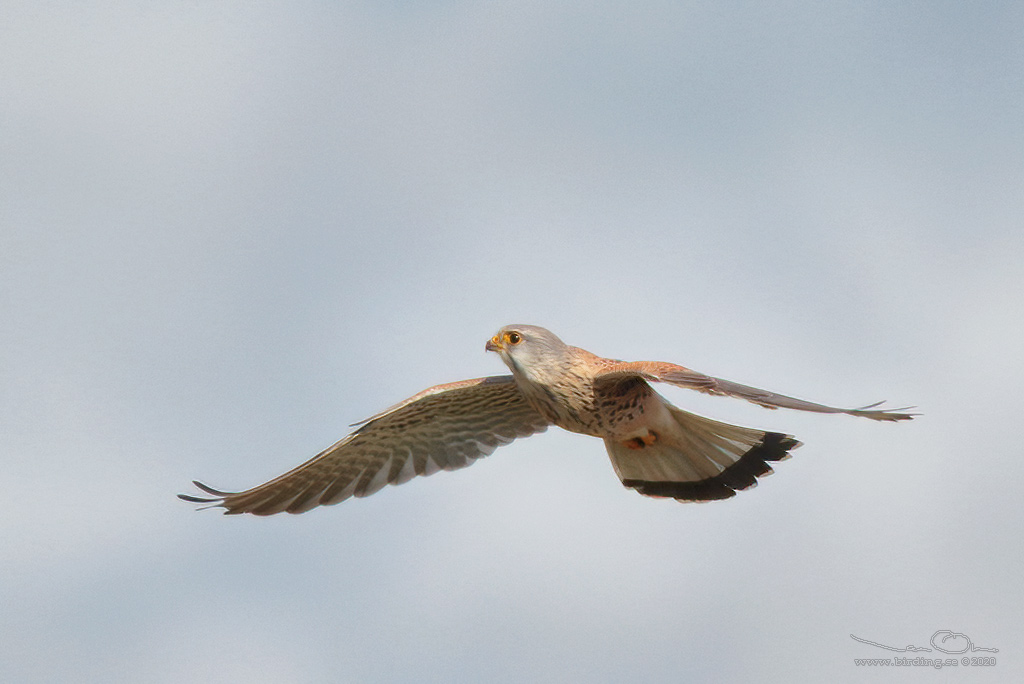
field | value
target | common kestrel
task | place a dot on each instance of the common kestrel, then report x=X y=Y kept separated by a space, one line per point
x=657 y=449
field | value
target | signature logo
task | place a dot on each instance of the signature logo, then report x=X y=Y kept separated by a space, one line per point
x=943 y=640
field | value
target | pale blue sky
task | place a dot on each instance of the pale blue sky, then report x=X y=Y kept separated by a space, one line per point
x=229 y=230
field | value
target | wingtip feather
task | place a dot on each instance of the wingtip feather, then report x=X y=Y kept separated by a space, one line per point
x=210 y=490
x=216 y=500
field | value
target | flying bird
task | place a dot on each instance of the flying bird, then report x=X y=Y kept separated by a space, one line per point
x=656 y=448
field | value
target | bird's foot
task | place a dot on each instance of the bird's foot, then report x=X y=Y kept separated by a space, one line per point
x=642 y=441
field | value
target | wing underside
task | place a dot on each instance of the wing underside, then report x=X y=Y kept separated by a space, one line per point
x=443 y=428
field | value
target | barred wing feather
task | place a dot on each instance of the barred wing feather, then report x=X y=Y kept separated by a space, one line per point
x=442 y=428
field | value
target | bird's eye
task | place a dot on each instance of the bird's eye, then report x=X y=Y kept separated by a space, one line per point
x=514 y=338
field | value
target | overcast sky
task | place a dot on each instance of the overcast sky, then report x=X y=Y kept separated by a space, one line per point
x=229 y=230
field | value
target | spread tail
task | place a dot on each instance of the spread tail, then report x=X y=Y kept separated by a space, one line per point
x=699 y=459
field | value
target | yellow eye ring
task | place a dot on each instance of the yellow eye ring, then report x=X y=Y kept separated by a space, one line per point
x=513 y=337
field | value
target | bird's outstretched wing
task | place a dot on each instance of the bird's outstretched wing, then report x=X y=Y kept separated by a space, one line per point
x=441 y=428
x=660 y=371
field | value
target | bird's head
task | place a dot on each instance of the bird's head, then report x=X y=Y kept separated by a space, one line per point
x=528 y=347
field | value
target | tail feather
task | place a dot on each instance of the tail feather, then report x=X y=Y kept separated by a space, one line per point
x=699 y=459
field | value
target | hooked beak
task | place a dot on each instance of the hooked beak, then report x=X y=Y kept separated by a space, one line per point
x=493 y=344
